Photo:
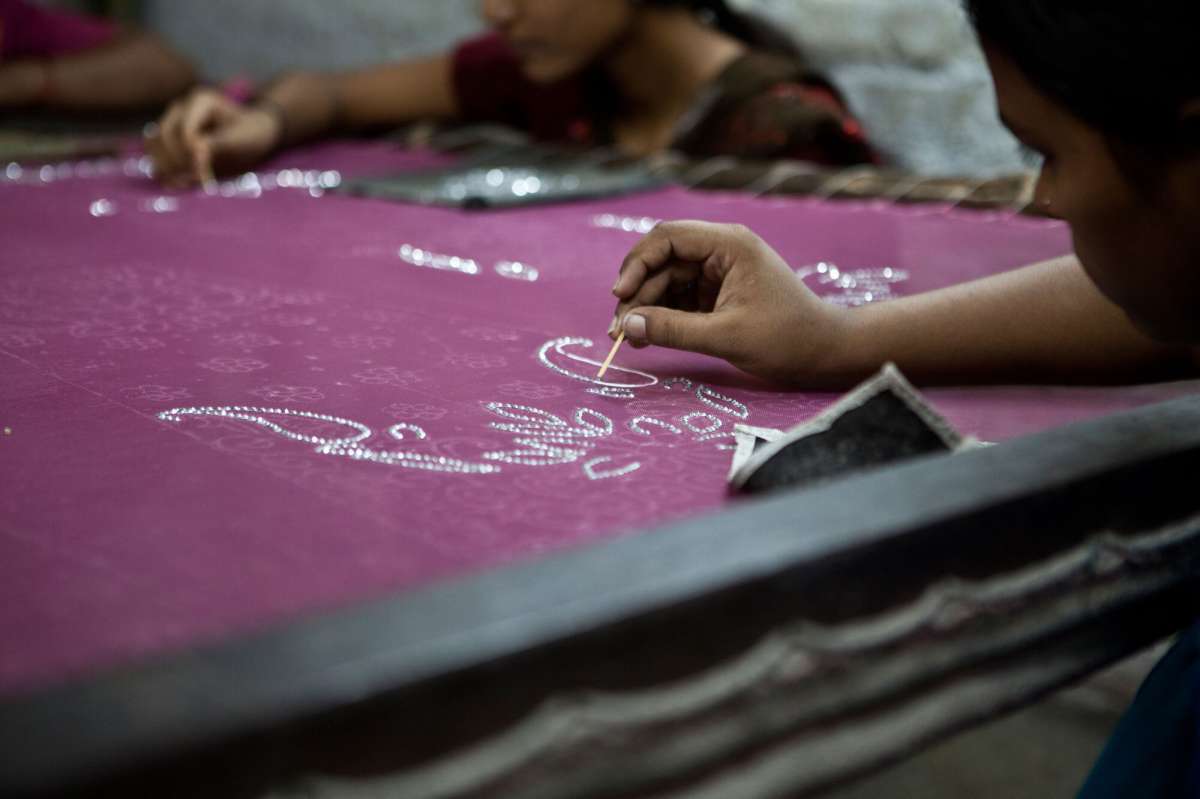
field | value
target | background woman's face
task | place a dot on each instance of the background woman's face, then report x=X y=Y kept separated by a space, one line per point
x=556 y=38
x=1137 y=236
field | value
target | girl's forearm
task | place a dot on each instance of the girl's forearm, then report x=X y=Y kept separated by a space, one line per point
x=1045 y=323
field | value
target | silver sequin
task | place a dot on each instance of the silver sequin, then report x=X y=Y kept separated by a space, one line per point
x=524 y=413
x=629 y=224
x=161 y=205
x=692 y=422
x=397 y=431
x=537 y=452
x=515 y=270
x=249 y=185
x=348 y=447
x=853 y=288
x=431 y=260
x=639 y=424
x=612 y=393
x=534 y=430
x=544 y=439
x=410 y=460
x=588 y=419
x=253 y=415
x=590 y=469
x=102 y=208
x=722 y=403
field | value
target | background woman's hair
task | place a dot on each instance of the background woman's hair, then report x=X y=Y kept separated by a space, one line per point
x=751 y=29
x=1126 y=68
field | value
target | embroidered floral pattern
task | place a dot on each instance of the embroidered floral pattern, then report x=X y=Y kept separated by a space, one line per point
x=530 y=391
x=359 y=342
x=245 y=340
x=278 y=393
x=478 y=362
x=419 y=412
x=388 y=376
x=233 y=366
x=155 y=393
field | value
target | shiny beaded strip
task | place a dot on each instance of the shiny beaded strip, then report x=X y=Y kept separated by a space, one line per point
x=722 y=403
x=629 y=224
x=593 y=473
x=431 y=260
x=692 y=422
x=612 y=393
x=515 y=270
x=547 y=439
x=855 y=287
x=639 y=425
x=349 y=447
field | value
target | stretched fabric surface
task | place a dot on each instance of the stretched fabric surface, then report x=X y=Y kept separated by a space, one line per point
x=224 y=410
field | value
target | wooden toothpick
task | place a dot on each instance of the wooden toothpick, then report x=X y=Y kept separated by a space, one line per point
x=611 y=354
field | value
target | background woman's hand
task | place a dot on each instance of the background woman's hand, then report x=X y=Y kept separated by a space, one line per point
x=208 y=133
x=721 y=290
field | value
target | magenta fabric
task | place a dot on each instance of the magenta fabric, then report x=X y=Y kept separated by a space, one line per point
x=30 y=31
x=125 y=533
x=489 y=86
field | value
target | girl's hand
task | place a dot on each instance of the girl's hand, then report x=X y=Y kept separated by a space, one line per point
x=720 y=290
x=208 y=133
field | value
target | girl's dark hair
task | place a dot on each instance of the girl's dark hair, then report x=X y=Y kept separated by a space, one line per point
x=1128 y=69
x=750 y=29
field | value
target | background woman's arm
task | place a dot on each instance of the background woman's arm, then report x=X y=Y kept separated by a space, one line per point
x=135 y=71
x=314 y=104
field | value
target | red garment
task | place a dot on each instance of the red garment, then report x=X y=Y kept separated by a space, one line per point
x=29 y=31
x=491 y=87
x=760 y=107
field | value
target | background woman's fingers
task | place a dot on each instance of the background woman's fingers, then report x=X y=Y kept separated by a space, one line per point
x=199 y=115
x=199 y=118
x=169 y=160
x=172 y=130
x=168 y=127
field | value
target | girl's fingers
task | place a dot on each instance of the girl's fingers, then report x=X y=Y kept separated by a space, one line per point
x=703 y=243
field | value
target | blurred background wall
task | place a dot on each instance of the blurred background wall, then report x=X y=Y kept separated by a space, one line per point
x=910 y=68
